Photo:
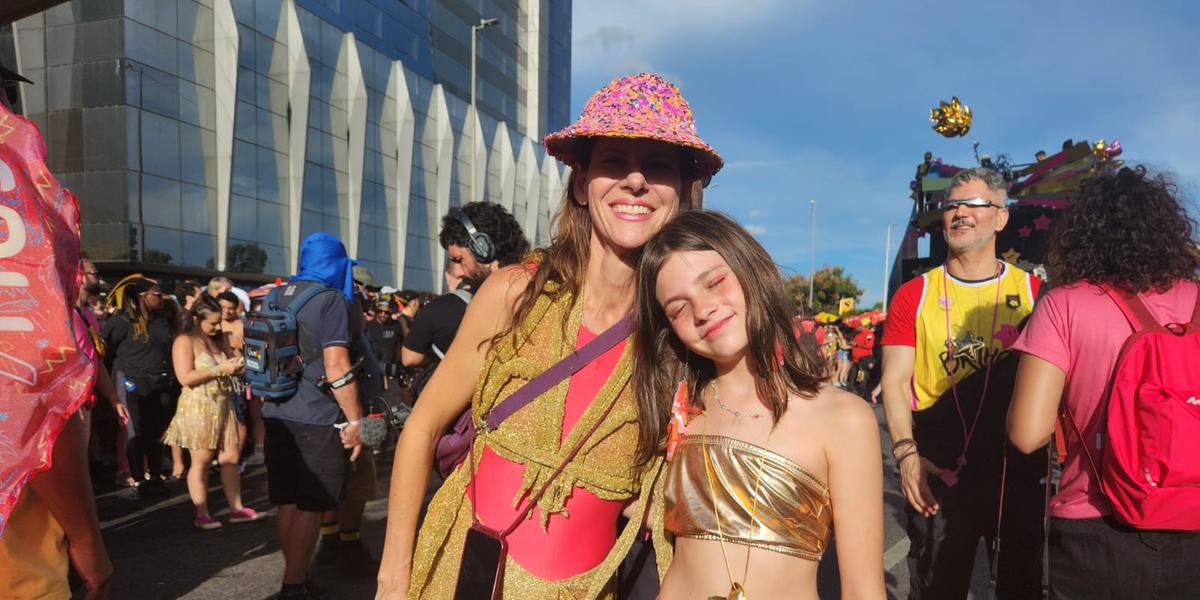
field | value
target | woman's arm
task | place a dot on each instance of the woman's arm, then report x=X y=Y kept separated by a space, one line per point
x=184 y=362
x=1035 y=401
x=446 y=396
x=856 y=488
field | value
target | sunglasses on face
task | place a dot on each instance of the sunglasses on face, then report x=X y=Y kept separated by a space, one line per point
x=969 y=203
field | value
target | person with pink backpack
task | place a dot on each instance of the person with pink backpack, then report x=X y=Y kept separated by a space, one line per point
x=1112 y=354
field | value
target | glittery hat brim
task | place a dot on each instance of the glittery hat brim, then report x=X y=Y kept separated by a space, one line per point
x=564 y=146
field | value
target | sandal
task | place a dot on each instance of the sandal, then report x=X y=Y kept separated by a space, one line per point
x=124 y=479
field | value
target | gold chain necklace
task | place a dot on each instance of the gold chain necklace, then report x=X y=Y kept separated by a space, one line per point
x=736 y=413
x=737 y=590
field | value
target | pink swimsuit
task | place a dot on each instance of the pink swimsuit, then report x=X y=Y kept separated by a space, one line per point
x=569 y=545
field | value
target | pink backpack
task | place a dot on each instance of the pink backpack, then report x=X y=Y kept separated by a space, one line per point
x=1150 y=470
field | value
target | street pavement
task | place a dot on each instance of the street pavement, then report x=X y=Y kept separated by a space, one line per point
x=158 y=553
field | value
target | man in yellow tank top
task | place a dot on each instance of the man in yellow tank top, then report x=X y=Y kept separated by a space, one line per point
x=948 y=371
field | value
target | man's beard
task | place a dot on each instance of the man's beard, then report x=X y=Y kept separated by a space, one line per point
x=970 y=246
x=93 y=289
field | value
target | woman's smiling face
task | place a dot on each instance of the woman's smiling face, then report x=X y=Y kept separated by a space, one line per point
x=632 y=187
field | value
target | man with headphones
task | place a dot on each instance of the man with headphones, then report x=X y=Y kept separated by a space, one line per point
x=479 y=238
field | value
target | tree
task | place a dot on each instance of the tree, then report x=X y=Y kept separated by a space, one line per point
x=246 y=258
x=156 y=257
x=831 y=284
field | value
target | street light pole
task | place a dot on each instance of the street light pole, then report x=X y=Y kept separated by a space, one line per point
x=812 y=258
x=483 y=23
x=887 y=247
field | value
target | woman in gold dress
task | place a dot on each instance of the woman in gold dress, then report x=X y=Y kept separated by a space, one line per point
x=775 y=459
x=205 y=423
x=636 y=162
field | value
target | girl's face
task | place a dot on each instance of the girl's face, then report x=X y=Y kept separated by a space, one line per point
x=210 y=325
x=631 y=188
x=704 y=302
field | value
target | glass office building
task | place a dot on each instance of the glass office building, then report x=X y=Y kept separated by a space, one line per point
x=206 y=136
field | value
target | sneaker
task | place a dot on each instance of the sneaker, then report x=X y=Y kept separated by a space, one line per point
x=245 y=515
x=207 y=522
x=353 y=559
x=327 y=549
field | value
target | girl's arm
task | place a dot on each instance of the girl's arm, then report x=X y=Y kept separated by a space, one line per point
x=446 y=396
x=184 y=361
x=856 y=488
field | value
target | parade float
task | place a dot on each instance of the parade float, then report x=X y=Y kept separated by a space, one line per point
x=1038 y=193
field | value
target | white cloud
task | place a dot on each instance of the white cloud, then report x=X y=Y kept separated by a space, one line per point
x=759 y=230
x=757 y=213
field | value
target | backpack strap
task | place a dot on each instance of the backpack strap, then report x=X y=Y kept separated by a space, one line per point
x=307 y=294
x=293 y=310
x=1134 y=309
x=1083 y=444
x=1196 y=311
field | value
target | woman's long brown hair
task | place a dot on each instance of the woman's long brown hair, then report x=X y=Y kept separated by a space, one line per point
x=783 y=363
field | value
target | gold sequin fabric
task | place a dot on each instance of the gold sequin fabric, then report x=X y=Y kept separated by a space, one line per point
x=205 y=418
x=790 y=512
x=530 y=437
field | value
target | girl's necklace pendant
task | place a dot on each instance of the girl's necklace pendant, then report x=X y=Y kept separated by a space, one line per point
x=735 y=593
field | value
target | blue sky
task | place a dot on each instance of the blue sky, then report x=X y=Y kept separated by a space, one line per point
x=830 y=100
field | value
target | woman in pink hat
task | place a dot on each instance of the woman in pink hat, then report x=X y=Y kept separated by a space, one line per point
x=553 y=477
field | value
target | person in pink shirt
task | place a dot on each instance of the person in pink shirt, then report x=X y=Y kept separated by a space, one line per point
x=1127 y=231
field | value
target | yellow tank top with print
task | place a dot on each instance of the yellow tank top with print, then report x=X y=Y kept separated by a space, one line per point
x=961 y=325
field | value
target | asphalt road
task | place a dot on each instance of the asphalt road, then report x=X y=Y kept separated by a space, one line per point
x=157 y=552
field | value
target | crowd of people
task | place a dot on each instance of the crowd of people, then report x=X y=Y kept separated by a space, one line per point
x=636 y=410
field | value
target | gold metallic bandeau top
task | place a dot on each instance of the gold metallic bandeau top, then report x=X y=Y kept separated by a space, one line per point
x=793 y=514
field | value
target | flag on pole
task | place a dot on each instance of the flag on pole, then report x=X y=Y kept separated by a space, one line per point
x=845 y=306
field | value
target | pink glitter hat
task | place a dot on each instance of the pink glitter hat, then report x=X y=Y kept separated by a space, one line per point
x=643 y=106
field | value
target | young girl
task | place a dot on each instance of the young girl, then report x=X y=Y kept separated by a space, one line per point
x=205 y=423
x=766 y=459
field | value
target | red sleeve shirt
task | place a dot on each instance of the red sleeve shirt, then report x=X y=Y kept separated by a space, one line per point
x=900 y=328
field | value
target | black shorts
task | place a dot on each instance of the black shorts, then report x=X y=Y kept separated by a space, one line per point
x=306 y=465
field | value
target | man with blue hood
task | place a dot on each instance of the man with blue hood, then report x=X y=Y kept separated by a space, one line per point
x=308 y=434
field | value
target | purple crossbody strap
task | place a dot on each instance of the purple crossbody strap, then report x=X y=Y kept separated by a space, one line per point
x=560 y=371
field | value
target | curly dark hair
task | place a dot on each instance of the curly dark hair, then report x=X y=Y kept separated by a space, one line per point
x=1125 y=229
x=488 y=217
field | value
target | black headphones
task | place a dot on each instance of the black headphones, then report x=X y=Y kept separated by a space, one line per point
x=480 y=243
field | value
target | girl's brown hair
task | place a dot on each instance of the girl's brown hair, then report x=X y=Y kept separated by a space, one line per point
x=783 y=363
x=204 y=306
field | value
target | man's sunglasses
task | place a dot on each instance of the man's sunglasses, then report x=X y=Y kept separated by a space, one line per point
x=969 y=203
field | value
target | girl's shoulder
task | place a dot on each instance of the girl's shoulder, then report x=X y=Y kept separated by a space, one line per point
x=832 y=412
